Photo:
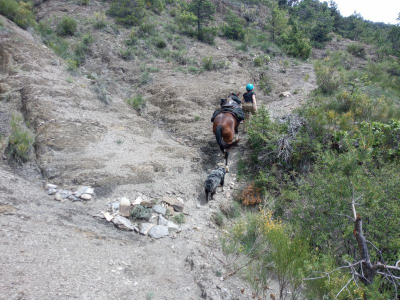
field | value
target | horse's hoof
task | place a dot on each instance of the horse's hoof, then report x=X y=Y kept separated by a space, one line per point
x=227 y=169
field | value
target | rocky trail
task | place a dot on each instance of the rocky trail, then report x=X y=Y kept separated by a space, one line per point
x=62 y=249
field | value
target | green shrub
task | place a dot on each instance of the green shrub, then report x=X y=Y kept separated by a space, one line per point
x=138 y=103
x=328 y=79
x=194 y=70
x=186 y=22
x=127 y=53
x=156 y=5
x=145 y=78
x=295 y=44
x=67 y=26
x=146 y=29
x=266 y=84
x=160 y=43
x=233 y=28
x=180 y=57
x=140 y=212
x=82 y=48
x=44 y=28
x=59 y=46
x=18 y=11
x=270 y=248
x=128 y=12
x=99 y=20
x=20 y=141
x=84 y=2
x=101 y=92
x=218 y=218
x=210 y=65
x=72 y=64
x=179 y=218
x=132 y=38
x=357 y=50
x=258 y=61
x=207 y=35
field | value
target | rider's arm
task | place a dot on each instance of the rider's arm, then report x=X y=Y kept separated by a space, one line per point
x=254 y=99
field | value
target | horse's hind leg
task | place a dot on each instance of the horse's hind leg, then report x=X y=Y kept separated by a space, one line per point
x=226 y=161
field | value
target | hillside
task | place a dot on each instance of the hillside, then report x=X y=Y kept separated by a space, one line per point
x=127 y=112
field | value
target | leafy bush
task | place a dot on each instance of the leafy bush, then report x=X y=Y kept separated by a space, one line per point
x=128 y=12
x=82 y=48
x=101 y=92
x=18 y=11
x=266 y=84
x=269 y=248
x=67 y=26
x=99 y=20
x=20 y=141
x=127 y=53
x=160 y=43
x=210 y=65
x=233 y=28
x=156 y=5
x=138 y=103
x=295 y=44
x=179 y=218
x=140 y=212
x=328 y=79
x=357 y=50
x=146 y=29
x=186 y=21
x=207 y=35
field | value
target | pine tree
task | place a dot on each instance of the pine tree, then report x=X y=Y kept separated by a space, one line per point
x=204 y=11
x=277 y=22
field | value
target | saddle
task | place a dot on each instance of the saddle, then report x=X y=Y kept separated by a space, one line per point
x=232 y=101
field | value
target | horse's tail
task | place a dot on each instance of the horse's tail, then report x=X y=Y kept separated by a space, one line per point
x=222 y=145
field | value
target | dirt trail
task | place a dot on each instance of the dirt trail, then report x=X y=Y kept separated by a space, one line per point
x=58 y=250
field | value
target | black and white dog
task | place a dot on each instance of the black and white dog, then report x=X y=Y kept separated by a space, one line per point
x=214 y=179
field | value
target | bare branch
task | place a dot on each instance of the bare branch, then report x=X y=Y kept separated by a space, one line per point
x=344 y=287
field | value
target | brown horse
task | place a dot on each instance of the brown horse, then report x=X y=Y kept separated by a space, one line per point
x=225 y=126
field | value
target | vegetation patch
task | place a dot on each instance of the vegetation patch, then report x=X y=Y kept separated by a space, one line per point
x=140 y=212
x=138 y=103
x=67 y=26
x=18 y=11
x=20 y=141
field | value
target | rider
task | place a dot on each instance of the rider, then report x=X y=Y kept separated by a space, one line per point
x=249 y=105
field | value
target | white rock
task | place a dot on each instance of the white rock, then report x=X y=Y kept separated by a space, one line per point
x=85 y=190
x=173 y=227
x=108 y=216
x=177 y=203
x=123 y=223
x=51 y=191
x=137 y=201
x=158 y=231
x=162 y=220
x=86 y=197
x=51 y=186
x=159 y=209
x=58 y=197
x=144 y=228
x=285 y=94
x=124 y=206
